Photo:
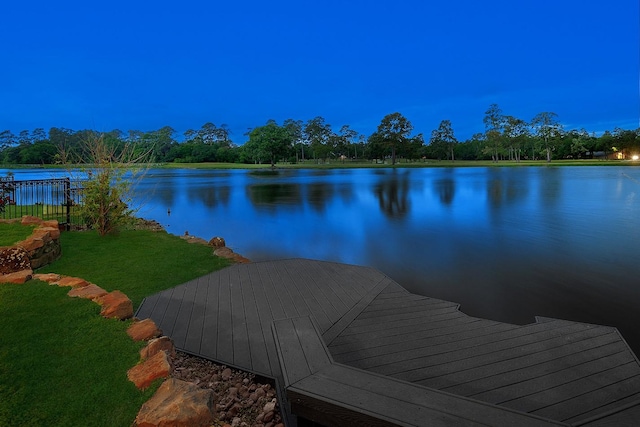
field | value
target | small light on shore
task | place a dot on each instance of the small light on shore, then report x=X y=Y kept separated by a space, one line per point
x=635 y=157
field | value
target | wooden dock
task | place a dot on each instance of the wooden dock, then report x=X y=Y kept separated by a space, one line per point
x=349 y=346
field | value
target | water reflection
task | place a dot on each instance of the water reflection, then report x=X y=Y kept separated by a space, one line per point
x=318 y=195
x=162 y=190
x=446 y=190
x=507 y=186
x=211 y=196
x=272 y=197
x=392 y=193
x=551 y=186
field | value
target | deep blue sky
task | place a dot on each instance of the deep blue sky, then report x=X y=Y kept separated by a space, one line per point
x=140 y=64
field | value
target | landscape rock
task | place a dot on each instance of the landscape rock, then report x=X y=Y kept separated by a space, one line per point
x=193 y=239
x=115 y=305
x=240 y=259
x=52 y=232
x=239 y=395
x=178 y=403
x=90 y=291
x=226 y=374
x=31 y=244
x=157 y=366
x=17 y=278
x=217 y=242
x=223 y=252
x=148 y=224
x=143 y=330
x=51 y=223
x=13 y=259
x=47 y=277
x=30 y=220
x=157 y=345
x=74 y=282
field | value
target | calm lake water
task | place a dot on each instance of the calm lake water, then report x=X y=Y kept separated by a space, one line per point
x=506 y=243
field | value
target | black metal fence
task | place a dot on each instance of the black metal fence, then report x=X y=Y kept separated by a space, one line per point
x=56 y=198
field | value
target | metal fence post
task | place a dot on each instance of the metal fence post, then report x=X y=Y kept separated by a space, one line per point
x=68 y=201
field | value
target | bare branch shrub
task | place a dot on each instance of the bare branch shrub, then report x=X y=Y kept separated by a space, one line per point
x=113 y=169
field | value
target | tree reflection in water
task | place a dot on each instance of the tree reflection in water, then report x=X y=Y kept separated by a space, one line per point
x=446 y=189
x=275 y=196
x=211 y=196
x=393 y=195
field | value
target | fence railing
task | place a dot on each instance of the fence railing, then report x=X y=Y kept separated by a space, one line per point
x=56 y=198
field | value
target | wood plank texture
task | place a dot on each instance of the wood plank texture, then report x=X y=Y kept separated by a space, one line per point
x=339 y=395
x=557 y=369
x=560 y=370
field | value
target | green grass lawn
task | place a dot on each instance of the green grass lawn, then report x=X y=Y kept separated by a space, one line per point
x=61 y=363
x=138 y=263
x=13 y=233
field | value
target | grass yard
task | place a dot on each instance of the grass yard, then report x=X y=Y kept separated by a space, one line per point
x=13 y=233
x=138 y=263
x=61 y=363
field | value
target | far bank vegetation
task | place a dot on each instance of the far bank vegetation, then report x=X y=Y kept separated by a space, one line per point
x=505 y=137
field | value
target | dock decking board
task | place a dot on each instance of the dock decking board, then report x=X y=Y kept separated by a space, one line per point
x=500 y=374
x=556 y=369
x=334 y=394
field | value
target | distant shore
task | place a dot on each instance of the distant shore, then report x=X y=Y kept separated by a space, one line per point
x=362 y=164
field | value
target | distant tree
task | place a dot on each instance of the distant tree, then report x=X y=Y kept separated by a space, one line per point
x=577 y=147
x=515 y=132
x=359 y=146
x=472 y=149
x=318 y=133
x=63 y=140
x=40 y=152
x=494 y=126
x=345 y=139
x=7 y=139
x=190 y=135
x=414 y=148
x=38 y=134
x=546 y=128
x=606 y=143
x=24 y=137
x=294 y=127
x=208 y=133
x=272 y=140
x=443 y=141
x=626 y=141
x=222 y=135
x=393 y=131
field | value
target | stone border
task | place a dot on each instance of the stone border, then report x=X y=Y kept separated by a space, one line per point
x=42 y=247
x=220 y=248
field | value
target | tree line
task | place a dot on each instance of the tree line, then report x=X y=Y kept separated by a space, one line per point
x=505 y=138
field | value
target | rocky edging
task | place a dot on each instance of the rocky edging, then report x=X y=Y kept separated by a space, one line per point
x=196 y=391
x=220 y=248
x=42 y=247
